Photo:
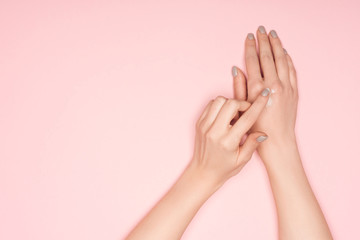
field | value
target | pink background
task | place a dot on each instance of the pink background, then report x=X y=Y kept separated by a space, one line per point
x=99 y=99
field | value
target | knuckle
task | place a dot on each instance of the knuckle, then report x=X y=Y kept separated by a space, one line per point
x=292 y=68
x=197 y=125
x=251 y=43
x=233 y=103
x=220 y=98
x=258 y=86
x=202 y=128
x=275 y=42
x=281 y=58
x=211 y=136
x=255 y=88
x=266 y=56
x=251 y=58
x=225 y=145
x=277 y=86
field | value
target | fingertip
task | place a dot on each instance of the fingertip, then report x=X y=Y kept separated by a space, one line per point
x=265 y=92
x=251 y=143
x=258 y=136
x=250 y=36
x=237 y=72
x=261 y=138
x=234 y=71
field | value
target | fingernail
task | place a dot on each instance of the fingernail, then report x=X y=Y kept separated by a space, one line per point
x=273 y=34
x=285 y=51
x=261 y=138
x=262 y=29
x=234 y=71
x=265 y=92
x=250 y=36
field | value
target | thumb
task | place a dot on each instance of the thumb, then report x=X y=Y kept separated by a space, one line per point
x=253 y=140
x=239 y=82
x=240 y=90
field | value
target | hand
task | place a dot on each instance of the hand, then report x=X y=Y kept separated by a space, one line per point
x=218 y=152
x=275 y=71
x=299 y=214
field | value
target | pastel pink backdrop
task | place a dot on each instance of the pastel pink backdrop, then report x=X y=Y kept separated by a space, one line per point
x=99 y=99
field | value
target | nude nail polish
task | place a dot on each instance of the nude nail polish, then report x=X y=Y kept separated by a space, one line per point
x=285 y=51
x=234 y=71
x=261 y=138
x=262 y=29
x=250 y=36
x=265 y=92
x=273 y=34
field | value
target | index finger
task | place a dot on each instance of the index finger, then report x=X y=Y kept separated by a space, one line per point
x=248 y=118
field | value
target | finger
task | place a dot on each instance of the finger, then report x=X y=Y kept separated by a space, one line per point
x=213 y=112
x=240 y=88
x=281 y=64
x=249 y=117
x=266 y=56
x=251 y=143
x=292 y=72
x=251 y=59
x=204 y=113
x=227 y=113
x=239 y=82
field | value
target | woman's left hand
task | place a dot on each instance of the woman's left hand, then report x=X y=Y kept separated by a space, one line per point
x=218 y=153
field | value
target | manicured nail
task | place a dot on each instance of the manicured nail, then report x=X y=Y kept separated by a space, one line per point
x=234 y=71
x=262 y=29
x=273 y=34
x=285 y=51
x=261 y=138
x=265 y=92
x=250 y=36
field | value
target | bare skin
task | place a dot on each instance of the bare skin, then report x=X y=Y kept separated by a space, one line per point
x=217 y=157
x=219 y=154
x=299 y=214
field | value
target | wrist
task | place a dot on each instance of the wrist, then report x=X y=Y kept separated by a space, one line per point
x=281 y=138
x=279 y=141
x=279 y=150
x=208 y=181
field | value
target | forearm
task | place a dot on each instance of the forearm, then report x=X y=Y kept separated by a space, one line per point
x=299 y=214
x=169 y=218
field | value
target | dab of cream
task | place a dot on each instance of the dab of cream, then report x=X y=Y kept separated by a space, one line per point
x=269 y=102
